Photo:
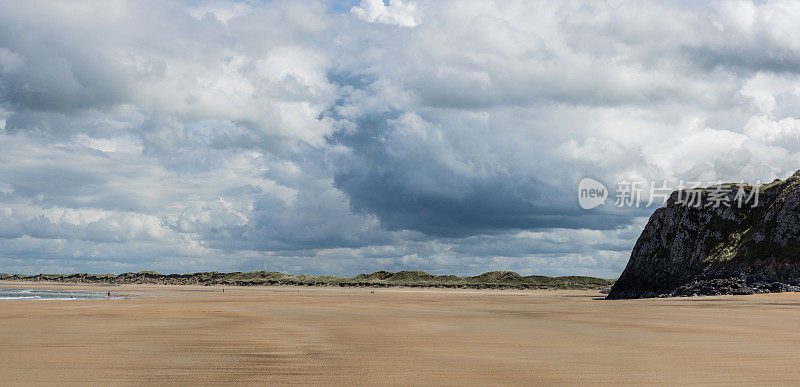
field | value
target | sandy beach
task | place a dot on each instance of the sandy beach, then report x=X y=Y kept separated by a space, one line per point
x=186 y=335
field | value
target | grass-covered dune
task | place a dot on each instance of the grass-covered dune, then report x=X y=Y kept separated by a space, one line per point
x=490 y=280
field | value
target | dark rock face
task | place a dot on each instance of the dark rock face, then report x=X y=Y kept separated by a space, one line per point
x=688 y=250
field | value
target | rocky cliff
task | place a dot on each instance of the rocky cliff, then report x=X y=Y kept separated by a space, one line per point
x=693 y=247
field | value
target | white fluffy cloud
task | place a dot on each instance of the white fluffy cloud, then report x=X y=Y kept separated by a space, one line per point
x=396 y=12
x=446 y=136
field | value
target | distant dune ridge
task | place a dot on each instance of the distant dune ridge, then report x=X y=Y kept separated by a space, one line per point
x=494 y=279
x=712 y=250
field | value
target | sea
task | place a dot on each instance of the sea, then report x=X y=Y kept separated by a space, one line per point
x=45 y=294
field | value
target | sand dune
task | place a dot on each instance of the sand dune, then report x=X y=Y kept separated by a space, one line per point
x=199 y=335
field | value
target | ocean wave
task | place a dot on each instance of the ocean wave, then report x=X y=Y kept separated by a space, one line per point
x=21 y=298
x=47 y=294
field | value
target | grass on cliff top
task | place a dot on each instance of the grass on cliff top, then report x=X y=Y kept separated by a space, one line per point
x=739 y=245
x=494 y=279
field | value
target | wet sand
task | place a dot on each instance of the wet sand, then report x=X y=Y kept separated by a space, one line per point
x=193 y=335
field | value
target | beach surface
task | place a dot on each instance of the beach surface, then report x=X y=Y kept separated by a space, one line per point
x=195 y=335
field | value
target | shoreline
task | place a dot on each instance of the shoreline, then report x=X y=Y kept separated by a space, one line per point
x=381 y=279
x=15 y=284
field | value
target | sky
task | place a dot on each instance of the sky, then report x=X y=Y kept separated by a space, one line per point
x=345 y=137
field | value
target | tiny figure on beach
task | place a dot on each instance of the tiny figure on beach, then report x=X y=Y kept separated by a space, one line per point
x=223 y=290
x=372 y=292
x=109 y=294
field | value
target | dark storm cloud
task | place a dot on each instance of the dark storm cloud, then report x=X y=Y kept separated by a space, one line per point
x=746 y=60
x=416 y=189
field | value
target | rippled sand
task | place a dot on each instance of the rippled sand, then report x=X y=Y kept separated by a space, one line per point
x=200 y=335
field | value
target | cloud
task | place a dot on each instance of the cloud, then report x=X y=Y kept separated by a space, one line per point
x=447 y=136
x=411 y=174
x=396 y=12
